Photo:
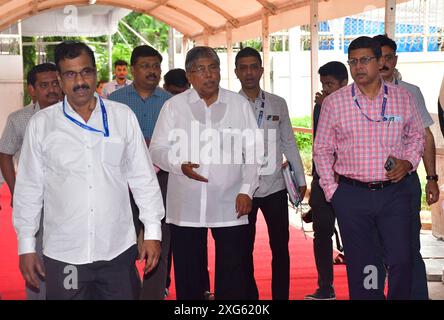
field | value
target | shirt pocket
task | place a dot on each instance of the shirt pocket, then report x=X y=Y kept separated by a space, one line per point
x=112 y=153
x=391 y=133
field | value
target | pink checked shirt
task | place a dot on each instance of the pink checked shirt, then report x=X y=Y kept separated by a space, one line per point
x=362 y=146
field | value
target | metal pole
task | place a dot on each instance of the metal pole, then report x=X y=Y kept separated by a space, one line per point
x=426 y=12
x=171 y=48
x=110 y=57
x=266 y=49
x=229 y=55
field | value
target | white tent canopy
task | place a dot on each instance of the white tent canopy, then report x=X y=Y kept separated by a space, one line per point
x=208 y=22
x=87 y=21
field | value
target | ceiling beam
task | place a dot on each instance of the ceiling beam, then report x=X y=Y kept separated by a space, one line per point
x=159 y=4
x=187 y=14
x=35 y=4
x=268 y=6
x=284 y=7
x=147 y=12
x=232 y=20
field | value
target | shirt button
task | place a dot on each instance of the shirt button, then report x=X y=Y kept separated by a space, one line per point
x=89 y=166
x=90 y=187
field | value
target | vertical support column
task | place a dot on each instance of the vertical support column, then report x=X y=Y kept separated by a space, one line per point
x=390 y=18
x=206 y=37
x=266 y=49
x=39 y=50
x=229 y=55
x=294 y=51
x=171 y=48
x=184 y=46
x=19 y=27
x=314 y=49
x=110 y=57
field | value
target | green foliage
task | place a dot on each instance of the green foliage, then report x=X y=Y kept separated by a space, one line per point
x=304 y=141
x=255 y=44
x=154 y=31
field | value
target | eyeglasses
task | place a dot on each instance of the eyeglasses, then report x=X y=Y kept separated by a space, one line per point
x=389 y=57
x=86 y=73
x=201 y=70
x=363 y=60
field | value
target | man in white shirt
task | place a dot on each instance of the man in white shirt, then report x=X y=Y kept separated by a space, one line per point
x=211 y=180
x=78 y=158
x=44 y=87
x=121 y=81
x=271 y=197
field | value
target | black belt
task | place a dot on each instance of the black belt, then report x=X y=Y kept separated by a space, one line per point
x=373 y=185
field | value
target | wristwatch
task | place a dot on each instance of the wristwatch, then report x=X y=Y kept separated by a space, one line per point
x=434 y=177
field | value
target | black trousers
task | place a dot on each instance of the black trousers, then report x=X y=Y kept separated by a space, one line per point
x=275 y=210
x=154 y=283
x=116 y=279
x=419 y=275
x=190 y=260
x=323 y=227
x=362 y=214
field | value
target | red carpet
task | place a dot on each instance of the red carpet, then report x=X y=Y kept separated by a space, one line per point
x=303 y=271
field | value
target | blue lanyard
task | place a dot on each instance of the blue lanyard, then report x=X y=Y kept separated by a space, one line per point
x=261 y=113
x=384 y=104
x=84 y=126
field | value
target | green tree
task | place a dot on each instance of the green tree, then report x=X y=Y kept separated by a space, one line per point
x=154 y=31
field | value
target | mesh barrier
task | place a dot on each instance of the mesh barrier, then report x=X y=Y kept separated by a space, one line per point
x=419 y=27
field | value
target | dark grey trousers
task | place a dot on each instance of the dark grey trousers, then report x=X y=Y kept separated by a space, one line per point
x=116 y=279
x=31 y=292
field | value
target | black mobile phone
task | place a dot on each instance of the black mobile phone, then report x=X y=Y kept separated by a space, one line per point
x=389 y=164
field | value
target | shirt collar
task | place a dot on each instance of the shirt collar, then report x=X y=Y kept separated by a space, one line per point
x=69 y=109
x=133 y=90
x=194 y=96
x=124 y=84
x=259 y=96
x=380 y=93
x=36 y=107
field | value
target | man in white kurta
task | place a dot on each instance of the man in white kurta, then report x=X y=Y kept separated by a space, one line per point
x=211 y=180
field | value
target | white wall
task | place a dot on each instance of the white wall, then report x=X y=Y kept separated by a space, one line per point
x=11 y=86
x=291 y=75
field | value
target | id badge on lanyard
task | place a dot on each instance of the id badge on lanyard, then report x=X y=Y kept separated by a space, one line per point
x=260 y=117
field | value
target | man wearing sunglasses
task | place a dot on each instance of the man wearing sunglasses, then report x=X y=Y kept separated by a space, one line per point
x=360 y=127
x=78 y=159
x=419 y=276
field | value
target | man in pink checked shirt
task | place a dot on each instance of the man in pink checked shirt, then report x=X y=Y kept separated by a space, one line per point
x=361 y=126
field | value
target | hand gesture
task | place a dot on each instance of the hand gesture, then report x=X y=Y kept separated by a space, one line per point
x=187 y=169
